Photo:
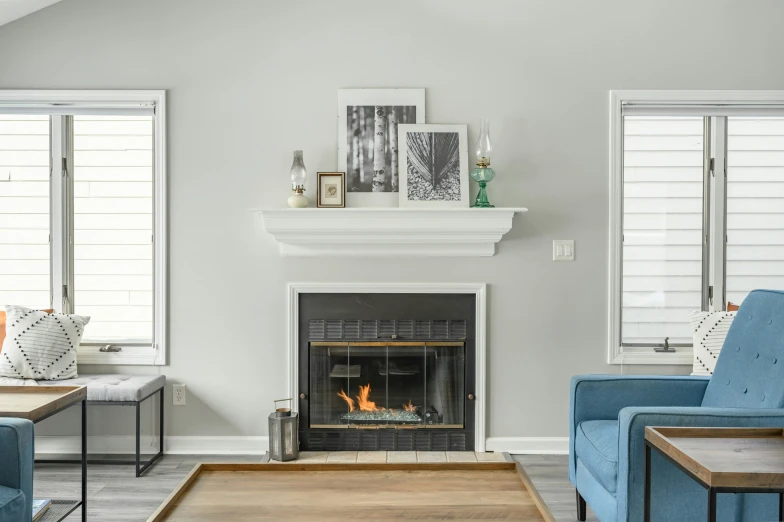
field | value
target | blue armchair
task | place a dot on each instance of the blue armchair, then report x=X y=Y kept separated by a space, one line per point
x=16 y=470
x=608 y=415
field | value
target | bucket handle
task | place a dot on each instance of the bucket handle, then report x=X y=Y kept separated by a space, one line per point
x=283 y=400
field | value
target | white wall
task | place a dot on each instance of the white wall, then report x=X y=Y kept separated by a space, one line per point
x=250 y=81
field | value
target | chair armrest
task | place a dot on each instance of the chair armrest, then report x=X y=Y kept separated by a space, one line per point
x=631 y=441
x=16 y=457
x=602 y=397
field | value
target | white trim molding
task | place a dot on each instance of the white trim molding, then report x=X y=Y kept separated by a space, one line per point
x=478 y=289
x=697 y=102
x=530 y=445
x=251 y=445
x=195 y=445
x=400 y=232
x=173 y=445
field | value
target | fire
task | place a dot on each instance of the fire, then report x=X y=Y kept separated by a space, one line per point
x=364 y=402
x=363 y=399
x=348 y=399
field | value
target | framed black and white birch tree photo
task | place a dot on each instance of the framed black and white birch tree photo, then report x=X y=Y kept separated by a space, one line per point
x=368 y=144
x=433 y=166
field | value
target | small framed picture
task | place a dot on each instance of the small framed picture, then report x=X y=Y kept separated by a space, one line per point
x=433 y=166
x=331 y=190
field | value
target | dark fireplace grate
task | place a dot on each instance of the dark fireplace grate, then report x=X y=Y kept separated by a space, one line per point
x=384 y=440
x=336 y=329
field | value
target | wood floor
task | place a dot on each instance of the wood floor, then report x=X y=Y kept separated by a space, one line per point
x=115 y=495
x=339 y=492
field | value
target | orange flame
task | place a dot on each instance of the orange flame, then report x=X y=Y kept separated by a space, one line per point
x=365 y=404
x=348 y=399
x=363 y=399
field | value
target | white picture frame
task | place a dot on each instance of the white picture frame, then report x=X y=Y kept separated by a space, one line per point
x=457 y=177
x=360 y=194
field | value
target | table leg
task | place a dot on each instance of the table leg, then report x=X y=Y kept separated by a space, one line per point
x=84 y=460
x=711 y=505
x=647 y=501
x=160 y=425
x=781 y=506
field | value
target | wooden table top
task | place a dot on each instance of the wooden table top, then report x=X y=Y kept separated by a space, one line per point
x=725 y=457
x=340 y=492
x=38 y=402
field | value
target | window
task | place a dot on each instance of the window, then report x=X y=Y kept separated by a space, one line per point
x=697 y=212
x=82 y=215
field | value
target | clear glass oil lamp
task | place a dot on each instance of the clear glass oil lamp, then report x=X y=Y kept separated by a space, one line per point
x=299 y=175
x=482 y=173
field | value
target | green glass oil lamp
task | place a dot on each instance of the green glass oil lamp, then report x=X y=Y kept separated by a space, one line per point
x=482 y=173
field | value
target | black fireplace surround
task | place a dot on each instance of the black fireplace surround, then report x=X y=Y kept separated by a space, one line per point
x=387 y=372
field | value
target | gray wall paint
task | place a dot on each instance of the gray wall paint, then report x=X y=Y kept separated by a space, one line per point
x=250 y=81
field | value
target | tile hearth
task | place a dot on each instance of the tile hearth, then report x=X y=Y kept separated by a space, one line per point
x=366 y=457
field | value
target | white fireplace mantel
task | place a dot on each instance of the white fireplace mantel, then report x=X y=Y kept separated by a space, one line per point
x=310 y=232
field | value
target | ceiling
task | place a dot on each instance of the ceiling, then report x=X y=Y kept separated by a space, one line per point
x=11 y=10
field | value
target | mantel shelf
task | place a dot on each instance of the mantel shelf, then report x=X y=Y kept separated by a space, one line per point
x=401 y=232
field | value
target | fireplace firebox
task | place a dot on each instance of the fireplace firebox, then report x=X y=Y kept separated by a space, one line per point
x=386 y=372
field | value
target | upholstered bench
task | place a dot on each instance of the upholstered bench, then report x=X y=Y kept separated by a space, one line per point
x=121 y=390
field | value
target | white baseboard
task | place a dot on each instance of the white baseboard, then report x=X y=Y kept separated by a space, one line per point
x=529 y=445
x=197 y=445
x=185 y=445
x=67 y=445
x=174 y=445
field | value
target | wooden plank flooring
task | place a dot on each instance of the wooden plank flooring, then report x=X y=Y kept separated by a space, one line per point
x=351 y=492
x=115 y=495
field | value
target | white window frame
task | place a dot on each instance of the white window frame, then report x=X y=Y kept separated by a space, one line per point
x=90 y=354
x=616 y=354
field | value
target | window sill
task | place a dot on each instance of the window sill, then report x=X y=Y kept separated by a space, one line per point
x=683 y=357
x=130 y=355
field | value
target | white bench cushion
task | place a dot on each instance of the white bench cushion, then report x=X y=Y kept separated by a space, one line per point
x=114 y=388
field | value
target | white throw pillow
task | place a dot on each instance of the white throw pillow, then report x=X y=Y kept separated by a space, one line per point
x=39 y=345
x=709 y=329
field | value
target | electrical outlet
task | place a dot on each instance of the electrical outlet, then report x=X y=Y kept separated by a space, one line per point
x=563 y=250
x=178 y=394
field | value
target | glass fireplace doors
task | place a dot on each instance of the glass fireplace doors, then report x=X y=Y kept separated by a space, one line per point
x=387 y=384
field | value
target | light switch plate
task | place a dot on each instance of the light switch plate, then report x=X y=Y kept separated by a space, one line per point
x=563 y=250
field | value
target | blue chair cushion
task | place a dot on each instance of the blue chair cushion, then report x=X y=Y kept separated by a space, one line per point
x=12 y=504
x=596 y=445
x=750 y=370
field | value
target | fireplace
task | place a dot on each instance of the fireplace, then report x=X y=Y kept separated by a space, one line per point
x=386 y=371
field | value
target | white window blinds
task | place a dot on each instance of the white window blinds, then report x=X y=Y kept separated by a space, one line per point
x=113 y=226
x=24 y=211
x=755 y=205
x=662 y=228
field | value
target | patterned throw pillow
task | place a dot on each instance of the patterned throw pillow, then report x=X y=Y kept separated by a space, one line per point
x=40 y=345
x=709 y=329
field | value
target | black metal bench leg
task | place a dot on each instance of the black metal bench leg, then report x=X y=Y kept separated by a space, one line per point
x=84 y=460
x=138 y=436
x=141 y=468
x=581 y=507
x=160 y=422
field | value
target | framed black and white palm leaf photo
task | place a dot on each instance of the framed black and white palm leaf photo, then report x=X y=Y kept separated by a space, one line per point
x=433 y=166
